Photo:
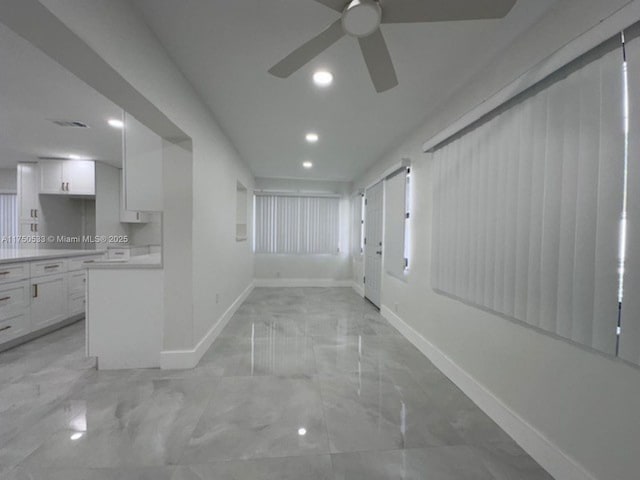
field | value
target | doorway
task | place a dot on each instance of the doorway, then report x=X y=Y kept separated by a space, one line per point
x=373 y=243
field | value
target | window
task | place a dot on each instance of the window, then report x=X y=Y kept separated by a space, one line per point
x=527 y=204
x=357 y=237
x=396 y=258
x=241 y=212
x=290 y=224
x=8 y=215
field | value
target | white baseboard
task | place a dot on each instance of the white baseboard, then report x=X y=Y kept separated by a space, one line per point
x=358 y=288
x=185 y=359
x=551 y=458
x=301 y=282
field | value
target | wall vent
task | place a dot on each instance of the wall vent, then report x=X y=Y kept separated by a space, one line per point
x=70 y=123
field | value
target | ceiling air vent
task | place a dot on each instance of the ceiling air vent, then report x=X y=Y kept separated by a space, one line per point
x=70 y=123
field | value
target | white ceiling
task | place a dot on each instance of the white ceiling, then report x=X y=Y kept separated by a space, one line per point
x=34 y=89
x=226 y=47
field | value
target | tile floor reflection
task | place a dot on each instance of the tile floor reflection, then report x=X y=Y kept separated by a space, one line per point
x=304 y=383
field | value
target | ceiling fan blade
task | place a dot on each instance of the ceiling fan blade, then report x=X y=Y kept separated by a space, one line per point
x=378 y=60
x=308 y=51
x=337 y=5
x=417 y=11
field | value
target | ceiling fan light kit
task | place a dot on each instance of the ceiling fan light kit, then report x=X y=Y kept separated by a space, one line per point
x=361 y=19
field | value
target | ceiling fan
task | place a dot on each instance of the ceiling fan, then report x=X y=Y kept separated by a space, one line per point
x=362 y=18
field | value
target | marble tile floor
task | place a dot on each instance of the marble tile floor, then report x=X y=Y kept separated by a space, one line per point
x=303 y=383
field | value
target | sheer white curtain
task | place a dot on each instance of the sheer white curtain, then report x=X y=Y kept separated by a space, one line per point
x=288 y=224
x=527 y=205
x=9 y=224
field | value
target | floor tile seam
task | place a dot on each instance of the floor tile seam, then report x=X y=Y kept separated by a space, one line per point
x=251 y=459
x=399 y=450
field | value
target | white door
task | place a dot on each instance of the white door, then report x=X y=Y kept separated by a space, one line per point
x=48 y=300
x=373 y=243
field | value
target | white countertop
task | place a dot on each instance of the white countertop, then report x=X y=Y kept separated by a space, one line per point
x=10 y=255
x=151 y=260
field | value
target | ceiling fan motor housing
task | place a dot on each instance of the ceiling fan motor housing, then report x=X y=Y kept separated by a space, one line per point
x=361 y=18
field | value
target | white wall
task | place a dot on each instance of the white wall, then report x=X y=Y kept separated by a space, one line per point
x=581 y=402
x=8 y=180
x=66 y=217
x=149 y=233
x=307 y=269
x=221 y=267
x=178 y=239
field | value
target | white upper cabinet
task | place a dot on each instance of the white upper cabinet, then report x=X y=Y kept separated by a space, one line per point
x=28 y=204
x=67 y=177
x=51 y=177
x=142 y=167
x=130 y=216
x=79 y=177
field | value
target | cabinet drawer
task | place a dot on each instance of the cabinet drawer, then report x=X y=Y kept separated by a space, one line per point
x=76 y=304
x=119 y=253
x=77 y=281
x=14 y=326
x=11 y=272
x=48 y=267
x=78 y=263
x=13 y=297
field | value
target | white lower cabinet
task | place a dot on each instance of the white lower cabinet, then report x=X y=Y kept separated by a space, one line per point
x=14 y=325
x=12 y=272
x=77 y=304
x=14 y=310
x=13 y=297
x=77 y=300
x=48 y=300
x=38 y=294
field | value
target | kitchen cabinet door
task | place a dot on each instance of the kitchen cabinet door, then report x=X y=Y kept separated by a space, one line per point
x=51 y=180
x=79 y=177
x=49 y=298
x=28 y=204
x=129 y=216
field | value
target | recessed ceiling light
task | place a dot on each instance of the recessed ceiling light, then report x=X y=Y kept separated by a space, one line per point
x=312 y=137
x=77 y=436
x=302 y=431
x=307 y=164
x=323 y=78
x=73 y=156
x=115 y=123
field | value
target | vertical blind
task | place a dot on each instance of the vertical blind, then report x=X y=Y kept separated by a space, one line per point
x=630 y=317
x=356 y=227
x=8 y=215
x=288 y=224
x=527 y=204
x=394 y=223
